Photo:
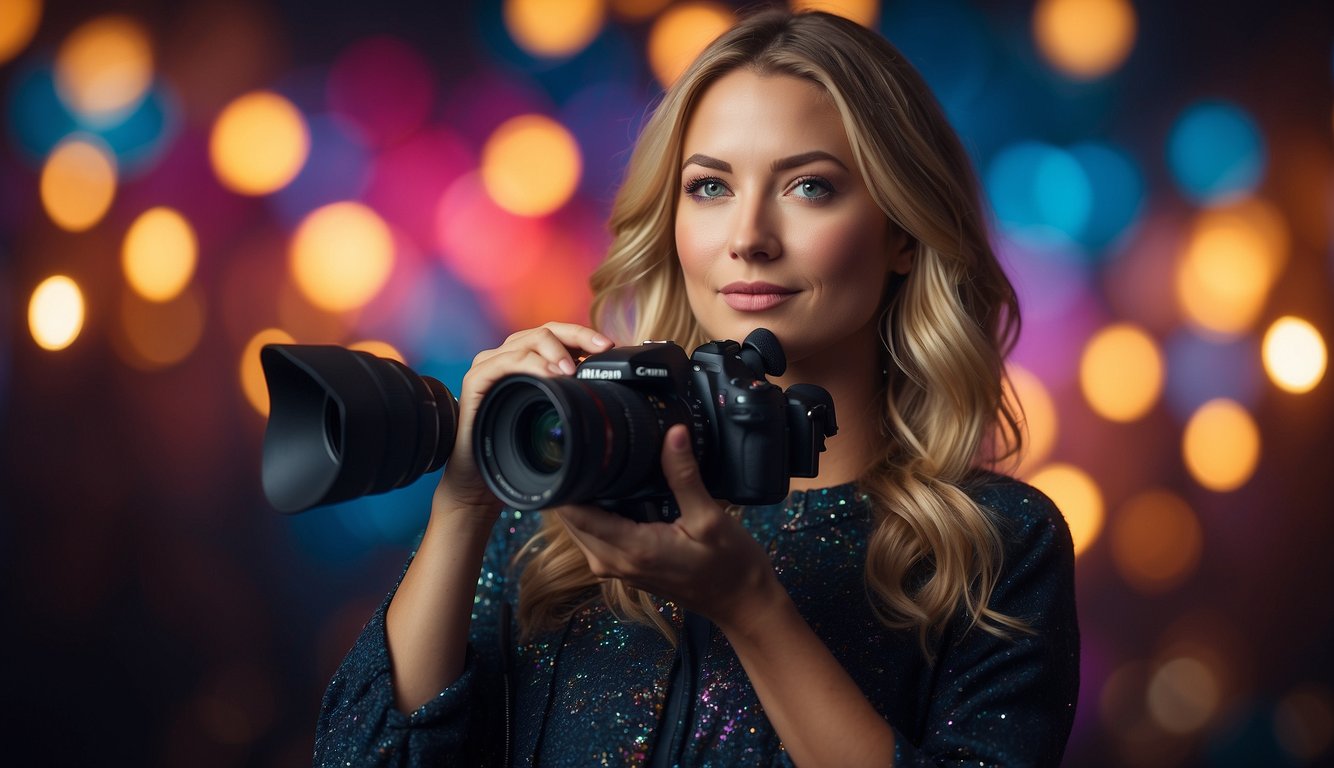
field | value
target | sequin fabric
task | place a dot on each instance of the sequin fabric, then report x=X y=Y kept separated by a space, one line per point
x=593 y=693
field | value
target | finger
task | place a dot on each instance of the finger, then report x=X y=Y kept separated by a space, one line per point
x=597 y=534
x=575 y=336
x=681 y=470
x=554 y=342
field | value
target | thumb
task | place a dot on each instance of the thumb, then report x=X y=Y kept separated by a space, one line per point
x=682 y=471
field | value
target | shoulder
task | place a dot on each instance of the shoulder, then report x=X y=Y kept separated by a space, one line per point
x=1023 y=513
x=1011 y=498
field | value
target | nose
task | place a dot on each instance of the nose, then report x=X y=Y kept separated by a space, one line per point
x=754 y=234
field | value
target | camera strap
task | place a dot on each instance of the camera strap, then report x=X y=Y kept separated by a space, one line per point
x=681 y=691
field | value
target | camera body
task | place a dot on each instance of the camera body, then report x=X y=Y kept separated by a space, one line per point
x=596 y=437
x=345 y=424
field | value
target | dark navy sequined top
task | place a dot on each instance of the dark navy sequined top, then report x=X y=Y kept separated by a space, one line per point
x=593 y=693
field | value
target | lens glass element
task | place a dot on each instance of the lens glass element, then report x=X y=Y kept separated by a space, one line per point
x=542 y=437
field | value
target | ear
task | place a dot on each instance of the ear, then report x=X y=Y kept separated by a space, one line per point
x=902 y=250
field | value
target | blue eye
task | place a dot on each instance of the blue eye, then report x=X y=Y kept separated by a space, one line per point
x=812 y=189
x=706 y=189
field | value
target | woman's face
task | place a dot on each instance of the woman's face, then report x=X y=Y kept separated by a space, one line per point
x=775 y=226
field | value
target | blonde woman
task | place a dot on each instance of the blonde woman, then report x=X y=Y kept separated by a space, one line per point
x=905 y=607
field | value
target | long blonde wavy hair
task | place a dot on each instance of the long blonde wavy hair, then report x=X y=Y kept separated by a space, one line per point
x=946 y=328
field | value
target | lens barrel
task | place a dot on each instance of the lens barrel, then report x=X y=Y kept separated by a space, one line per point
x=544 y=442
x=344 y=424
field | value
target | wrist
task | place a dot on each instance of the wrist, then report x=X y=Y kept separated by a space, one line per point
x=463 y=521
x=761 y=615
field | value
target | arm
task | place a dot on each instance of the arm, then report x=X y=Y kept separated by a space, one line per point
x=1011 y=701
x=359 y=721
x=995 y=701
x=427 y=622
x=405 y=692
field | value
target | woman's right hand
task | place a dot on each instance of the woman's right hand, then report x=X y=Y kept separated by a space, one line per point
x=548 y=350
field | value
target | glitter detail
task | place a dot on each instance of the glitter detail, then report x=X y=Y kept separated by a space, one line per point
x=593 y=693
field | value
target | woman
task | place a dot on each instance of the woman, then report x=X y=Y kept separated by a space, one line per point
x=902 y=608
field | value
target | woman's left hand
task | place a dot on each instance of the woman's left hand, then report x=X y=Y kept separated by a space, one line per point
x=705 y=561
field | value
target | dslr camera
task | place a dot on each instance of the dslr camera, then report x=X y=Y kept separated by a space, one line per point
x=344 y=424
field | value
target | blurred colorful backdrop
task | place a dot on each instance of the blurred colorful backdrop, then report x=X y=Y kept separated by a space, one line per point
x=182 y=182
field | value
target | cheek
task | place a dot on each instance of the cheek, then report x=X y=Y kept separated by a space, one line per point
x=848 y=254
x=696 y=248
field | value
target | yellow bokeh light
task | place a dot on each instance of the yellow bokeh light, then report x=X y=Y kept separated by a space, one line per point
x=637 y=10
x=341 y=256
x=554 y=28
x=680 y=34
x=159 y=254
x=78 y=183
x=864 y=12
x=252 y=373
x=18 y=24
x=379 y=349
x=1038 y=416
x=1184 y=693
x=1121 y=372
x=1078 y=498
x=1231 y=260
x=1084 y=39
x=531 y=165
x=55 y=313
x=1155 y=541
x=1294 y=354
x=259 y=143
x=104 y=67
x=1221 y=445
x=158 y=334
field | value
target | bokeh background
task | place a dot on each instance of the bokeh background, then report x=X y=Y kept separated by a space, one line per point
x=181 y=182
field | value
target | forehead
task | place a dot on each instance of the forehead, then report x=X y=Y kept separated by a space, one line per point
x=770 y=113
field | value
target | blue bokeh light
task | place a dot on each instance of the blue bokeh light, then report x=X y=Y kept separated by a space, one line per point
x=1200 y=370
x=337 y=168
x=602 y=118
x=143 y=136
x=1035 y=186
x=1216 y=152
x=39 y=120
x=438 y=321
x=1118 y=195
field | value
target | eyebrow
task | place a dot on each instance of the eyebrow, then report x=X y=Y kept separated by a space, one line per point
x=797 y=161
x=781 y=164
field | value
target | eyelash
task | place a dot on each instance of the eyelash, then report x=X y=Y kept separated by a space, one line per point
x=692 y=186
x=820 y=181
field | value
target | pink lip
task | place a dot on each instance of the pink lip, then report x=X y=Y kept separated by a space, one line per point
x=755 y=297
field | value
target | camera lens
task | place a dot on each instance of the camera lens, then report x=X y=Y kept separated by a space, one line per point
x=345 y=424
x=545 y=447
x=544 y=442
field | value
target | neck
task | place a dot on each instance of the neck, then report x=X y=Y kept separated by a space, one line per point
x=854 y=380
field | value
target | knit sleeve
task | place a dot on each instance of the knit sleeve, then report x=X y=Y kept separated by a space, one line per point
x=359 y=723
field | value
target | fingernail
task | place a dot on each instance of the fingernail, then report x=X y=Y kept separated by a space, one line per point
x=566 y=367
x=601 y=341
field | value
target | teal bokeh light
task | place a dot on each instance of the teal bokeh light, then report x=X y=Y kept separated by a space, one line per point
x=1118 y=191
x=1035 y=186
x=39 y=120
x=1216 y=152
